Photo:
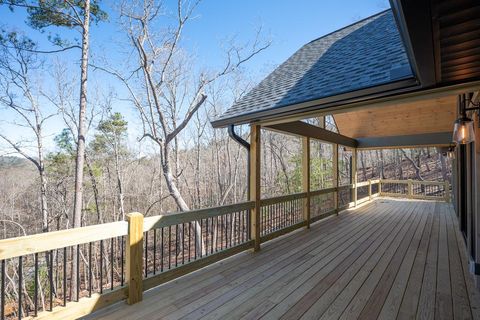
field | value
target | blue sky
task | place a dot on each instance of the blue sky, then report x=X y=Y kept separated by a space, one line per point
x=288 y=24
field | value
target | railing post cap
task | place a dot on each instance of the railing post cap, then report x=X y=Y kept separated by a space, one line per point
x=133 y=215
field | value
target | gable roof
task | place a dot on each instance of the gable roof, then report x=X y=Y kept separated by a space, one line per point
x=365 y=54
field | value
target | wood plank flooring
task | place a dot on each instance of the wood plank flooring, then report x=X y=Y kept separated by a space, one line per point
x=389 y=259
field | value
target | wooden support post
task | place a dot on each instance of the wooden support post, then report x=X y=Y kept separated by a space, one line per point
x=380 y=187
x=134 y=256
x=335 y=176
x=409 y=189
x=354 y=176
x=369 y=189
x=447 y=191
x=306 y=179
x=254 y=181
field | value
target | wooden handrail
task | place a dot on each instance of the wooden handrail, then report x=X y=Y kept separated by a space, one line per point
x=167 y=220
x=288 y=197
x=42 y=242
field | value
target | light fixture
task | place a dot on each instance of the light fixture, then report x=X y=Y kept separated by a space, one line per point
x=463 y=132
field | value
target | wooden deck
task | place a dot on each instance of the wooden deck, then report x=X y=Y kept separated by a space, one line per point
x=387 y=259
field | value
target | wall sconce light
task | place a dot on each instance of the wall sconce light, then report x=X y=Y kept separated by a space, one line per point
x=463 y=132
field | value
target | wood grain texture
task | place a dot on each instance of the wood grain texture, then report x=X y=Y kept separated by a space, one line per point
x=390 y=258
x=14 y=247
x=134 y=257
x=254 y=184
x=426 y=116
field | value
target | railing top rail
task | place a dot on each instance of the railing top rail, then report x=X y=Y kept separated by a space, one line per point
x=288 y=197
x=322 y=191
x=167 y=220
x=42 y=242
x=413 y=181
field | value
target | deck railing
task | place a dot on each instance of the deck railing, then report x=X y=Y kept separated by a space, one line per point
x=120 y=260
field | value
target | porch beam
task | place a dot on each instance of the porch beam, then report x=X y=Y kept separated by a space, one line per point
x=303 y=129
x=415 y=140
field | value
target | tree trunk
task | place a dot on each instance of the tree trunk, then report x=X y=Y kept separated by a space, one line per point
x=77 y=206
x=175 y=193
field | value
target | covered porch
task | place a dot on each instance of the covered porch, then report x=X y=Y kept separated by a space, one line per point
x=330 y=252
x=390 y=258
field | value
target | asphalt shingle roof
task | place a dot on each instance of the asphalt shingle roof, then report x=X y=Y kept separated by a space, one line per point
x=365 y=54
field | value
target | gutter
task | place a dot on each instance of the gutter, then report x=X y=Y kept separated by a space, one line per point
x=246 y=145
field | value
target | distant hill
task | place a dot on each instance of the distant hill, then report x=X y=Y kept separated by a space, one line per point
x=7 y=162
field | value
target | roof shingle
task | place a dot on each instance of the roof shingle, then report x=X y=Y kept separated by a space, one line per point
x=366 y=54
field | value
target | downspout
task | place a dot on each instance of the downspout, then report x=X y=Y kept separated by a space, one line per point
x=246 y=145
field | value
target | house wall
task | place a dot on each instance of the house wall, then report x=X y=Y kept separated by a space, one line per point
x=466 y=194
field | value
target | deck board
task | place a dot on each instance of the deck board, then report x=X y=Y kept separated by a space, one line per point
x=387 y=259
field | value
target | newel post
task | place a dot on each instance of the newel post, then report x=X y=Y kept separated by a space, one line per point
x=354 y=176
x=447 y=191
x=306 y=179
x=254 y=181
x=335 y=177
x=369 y=189
x=409 y=189
x=134 y=257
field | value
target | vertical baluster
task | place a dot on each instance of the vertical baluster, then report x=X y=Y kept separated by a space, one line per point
x=183 y=243
x=49 y=256
x=249 y=228
x=189 y=241
x=146 y=254
x=161 y=250
x=64 y=284
x=216 y=232
x=35 y=285
x=211 y=235
x=231 y=224
x=242 y=226
x=2 y=302
x=154 y=251
x=169 y=247
x=111 y=263
x=89 y=269
x=206 y=236
x=122 y=250
x=20 y=279
x=236 y=225
x=101 y=266
x=176 y=245
x=195 y=240
x=225 y=229
x=77 y=275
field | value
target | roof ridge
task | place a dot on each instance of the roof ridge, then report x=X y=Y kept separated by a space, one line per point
x=348 y=26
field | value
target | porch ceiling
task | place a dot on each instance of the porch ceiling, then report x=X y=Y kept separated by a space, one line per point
x=412 y=118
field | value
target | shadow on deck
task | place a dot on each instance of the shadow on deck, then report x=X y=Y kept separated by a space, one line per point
x=387 y=259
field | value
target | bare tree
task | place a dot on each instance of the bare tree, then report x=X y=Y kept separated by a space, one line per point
x=21 y=95
x=166 y=85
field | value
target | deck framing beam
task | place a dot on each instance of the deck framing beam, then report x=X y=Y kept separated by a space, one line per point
x=406 y=141
x=303 y=129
